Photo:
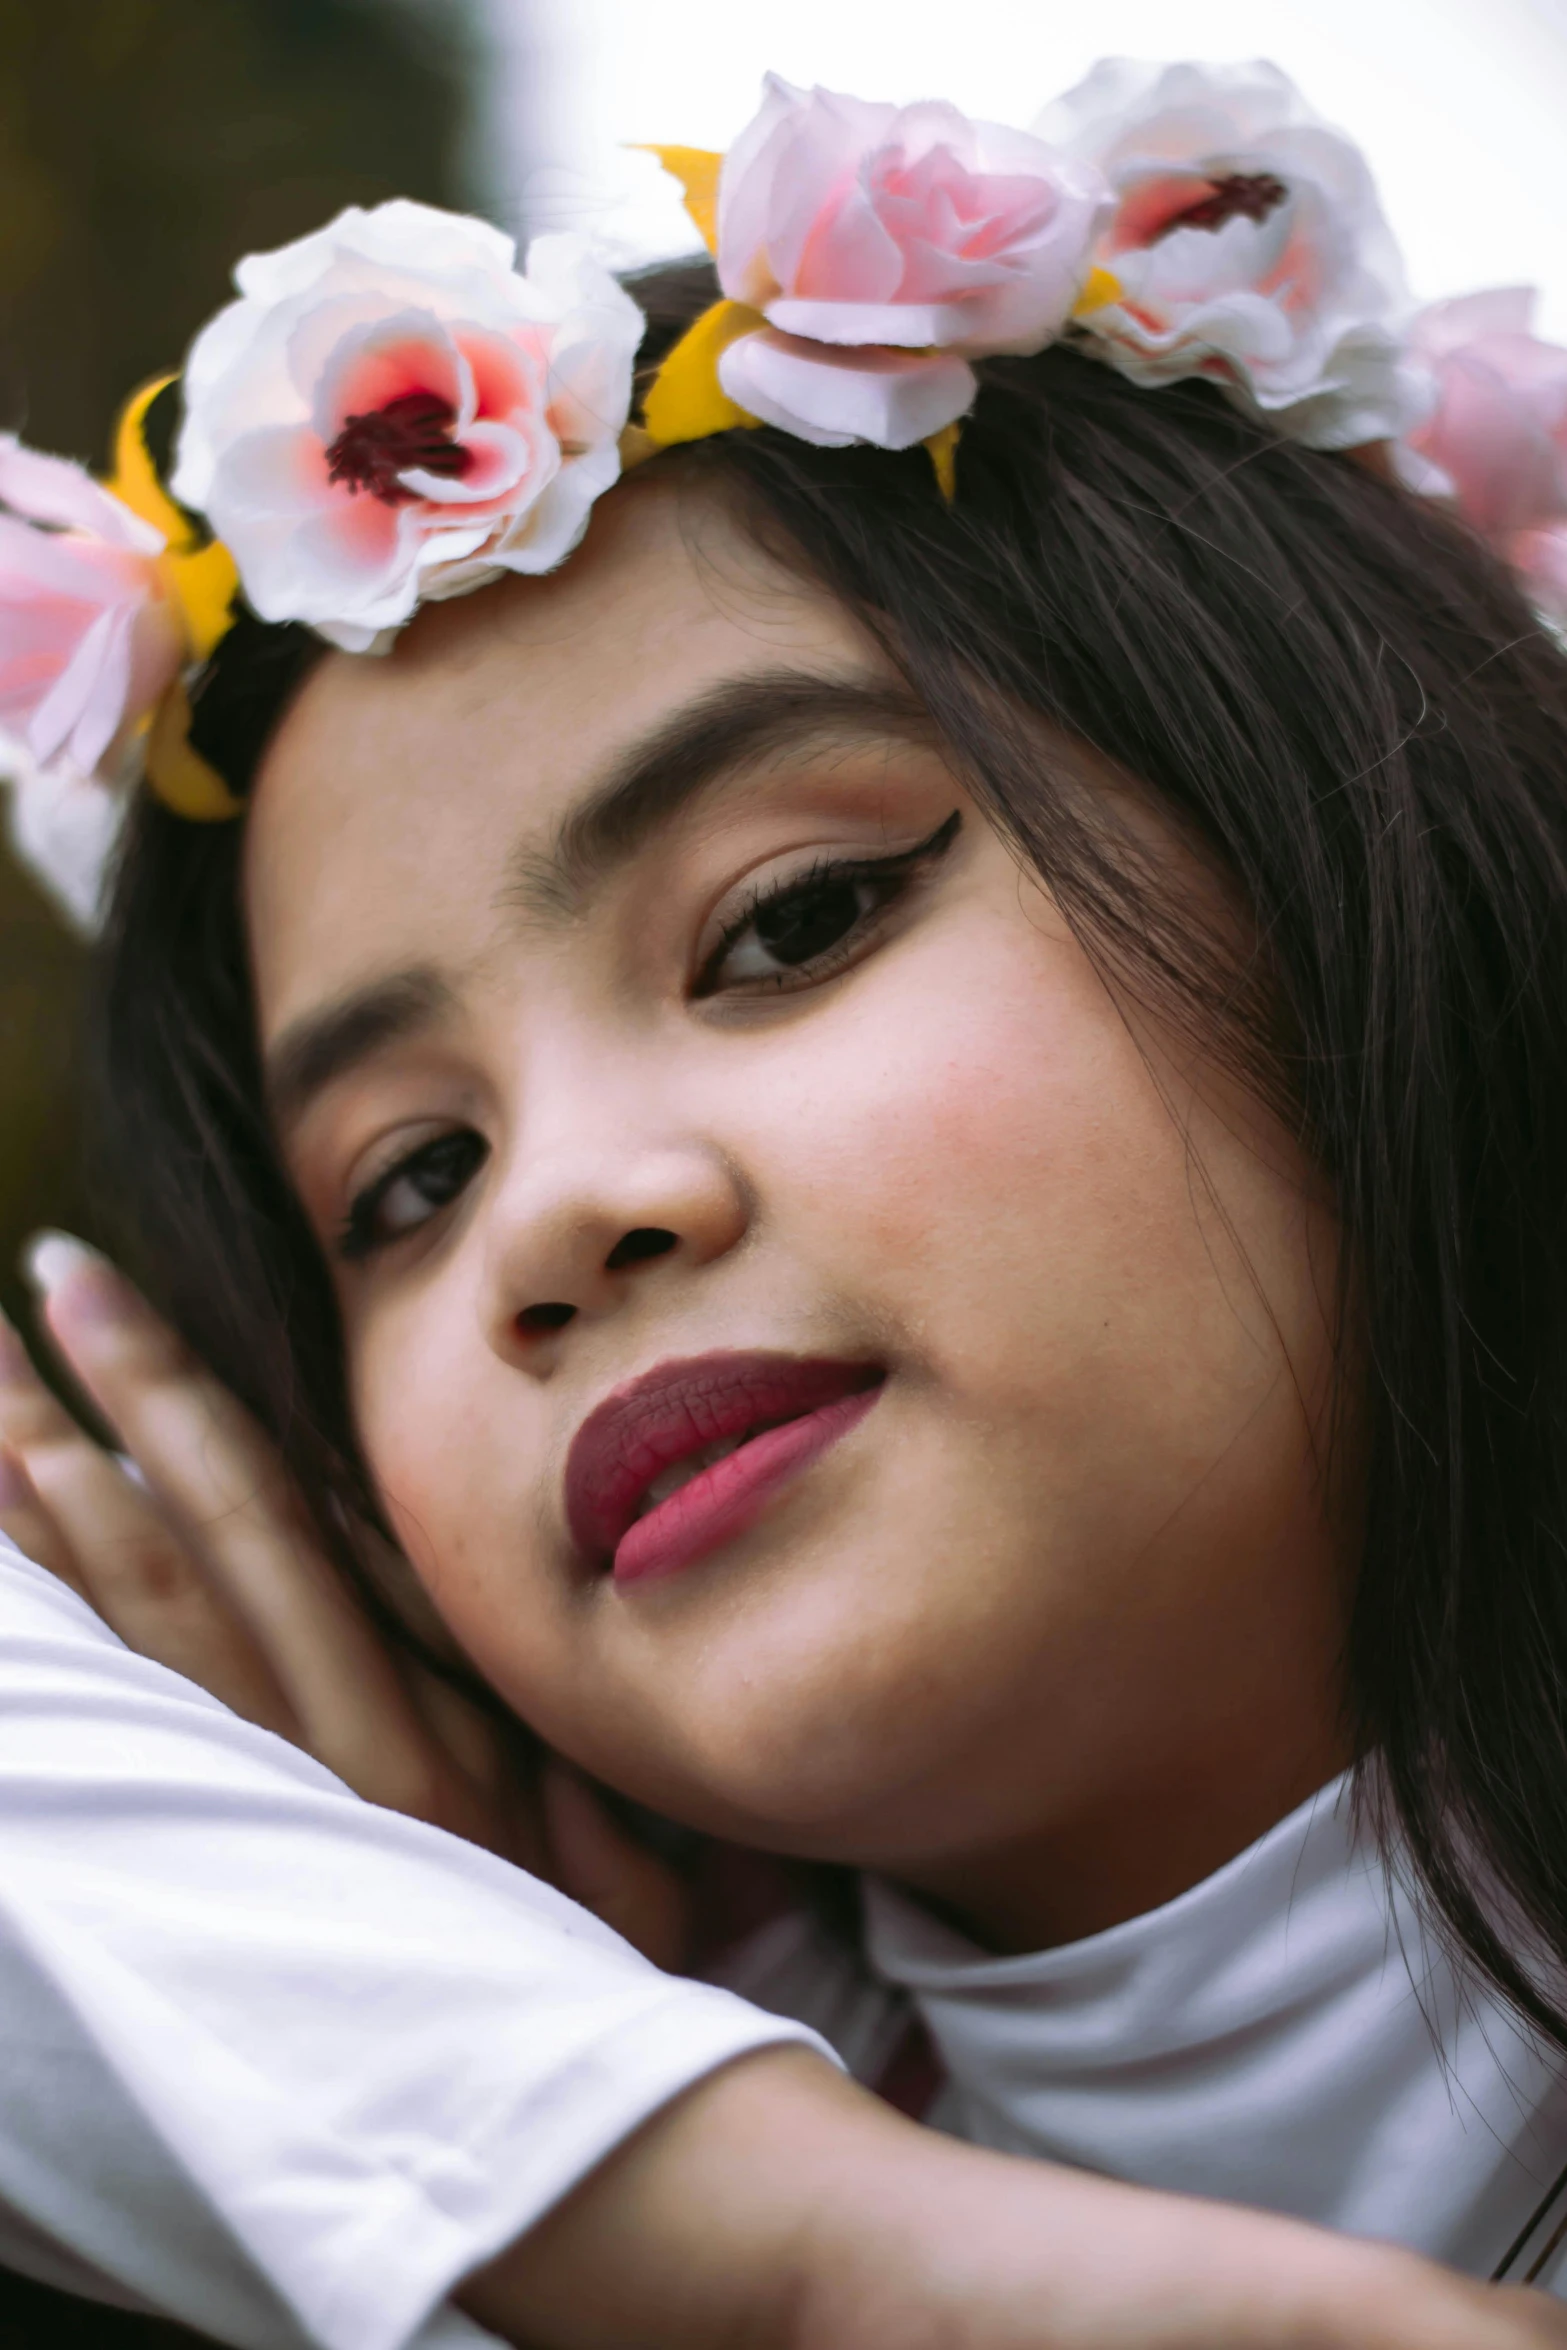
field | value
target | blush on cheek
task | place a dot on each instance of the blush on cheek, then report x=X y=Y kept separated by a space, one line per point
x=967 y=1120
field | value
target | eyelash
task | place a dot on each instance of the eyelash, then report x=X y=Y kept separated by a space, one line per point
x=360 y=1235
x=892 y=874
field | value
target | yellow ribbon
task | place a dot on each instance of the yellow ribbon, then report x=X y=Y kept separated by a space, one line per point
x=1101 y=287
x=686 y=401
x=200 y=582
x=697 y=170
x=943 y=448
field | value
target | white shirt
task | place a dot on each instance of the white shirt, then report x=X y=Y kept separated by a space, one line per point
x=1281 y=2035
x=274 y=2061
x=288 y=2067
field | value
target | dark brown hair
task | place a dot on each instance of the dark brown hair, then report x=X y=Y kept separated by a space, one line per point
x=1337 y=694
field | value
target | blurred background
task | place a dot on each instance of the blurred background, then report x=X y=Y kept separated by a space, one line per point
x=146 y=144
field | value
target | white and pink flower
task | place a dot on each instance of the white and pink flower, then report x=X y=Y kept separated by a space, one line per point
x=886 y=247
x=89 y=642
x=1495 y=441
x=1248 y=246
x=393 y=412
x=89 y=639
x=64 y=829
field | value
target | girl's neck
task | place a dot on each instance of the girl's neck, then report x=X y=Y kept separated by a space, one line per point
x=1138 y=1848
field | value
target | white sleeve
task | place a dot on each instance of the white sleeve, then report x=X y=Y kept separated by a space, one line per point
x=276 y=2062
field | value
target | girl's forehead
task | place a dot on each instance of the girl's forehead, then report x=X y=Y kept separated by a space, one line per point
x=396 y=789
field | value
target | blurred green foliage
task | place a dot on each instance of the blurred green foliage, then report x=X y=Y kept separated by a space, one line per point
x=145 y=145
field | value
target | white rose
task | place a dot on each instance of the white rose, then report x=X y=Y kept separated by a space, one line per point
x=392 y=412
x=1248 y=246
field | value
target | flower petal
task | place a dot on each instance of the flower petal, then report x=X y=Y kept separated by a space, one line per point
x=1497 y=310
x=54 y=490
x=85 y=706
x=63 y=828
x=914 y=326
x=277 y=472
x=387 y=360
x=892 y=399
x=546 y=535
x=397 y=235
x=510 y=465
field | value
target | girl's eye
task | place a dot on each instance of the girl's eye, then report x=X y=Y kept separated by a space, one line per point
x=411 y=1192
x=809 y=926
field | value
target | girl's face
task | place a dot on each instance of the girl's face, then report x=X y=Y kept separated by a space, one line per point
x=842 y=1382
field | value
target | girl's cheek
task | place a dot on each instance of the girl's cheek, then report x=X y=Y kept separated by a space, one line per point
x=448 y=1429
x=999 y=1095
x=413 y=1392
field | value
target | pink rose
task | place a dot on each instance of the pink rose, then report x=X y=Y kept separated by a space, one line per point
x=88 y=637
x=393 y=412
x=1248 y=246
x=907 y=239
x=1496 y=438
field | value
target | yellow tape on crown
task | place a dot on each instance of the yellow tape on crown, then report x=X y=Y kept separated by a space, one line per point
x=204 y=586
x=201 y=580
x=686 y=401
x=697 y=170
x=201 y=583
x=1101 y=287
x=943 y=449
x=177 y=774
x=134 y=480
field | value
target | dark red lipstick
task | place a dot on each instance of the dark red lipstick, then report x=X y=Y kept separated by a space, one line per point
x=640 y=1495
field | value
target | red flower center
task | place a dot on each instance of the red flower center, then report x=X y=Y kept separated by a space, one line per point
x=1242 y=195
x=372 y=450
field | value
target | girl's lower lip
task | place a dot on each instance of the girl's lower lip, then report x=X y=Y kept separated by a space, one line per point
x=721 y=1502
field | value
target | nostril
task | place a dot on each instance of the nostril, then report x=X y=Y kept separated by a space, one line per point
x=534 y=1320
x=634 y=1247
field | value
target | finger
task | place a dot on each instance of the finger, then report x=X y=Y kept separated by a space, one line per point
x=29 y=1525
x=496 y=1800
x=598 y=1864
x=122 y=1555
x=224 y=1488
x=82 y=1491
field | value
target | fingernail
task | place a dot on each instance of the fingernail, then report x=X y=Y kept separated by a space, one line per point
x=50 y=1258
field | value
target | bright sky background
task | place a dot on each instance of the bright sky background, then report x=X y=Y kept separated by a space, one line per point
x=1461 y=105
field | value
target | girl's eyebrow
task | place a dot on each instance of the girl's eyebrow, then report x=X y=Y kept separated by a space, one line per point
x=320 y=1047
x=733 y=726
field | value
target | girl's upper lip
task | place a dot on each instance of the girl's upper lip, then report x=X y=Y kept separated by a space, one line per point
x=677 y=1408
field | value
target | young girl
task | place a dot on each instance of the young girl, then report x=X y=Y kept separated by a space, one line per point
x=894 y=1145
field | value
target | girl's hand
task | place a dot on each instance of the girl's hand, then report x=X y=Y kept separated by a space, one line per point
x=210 y=1567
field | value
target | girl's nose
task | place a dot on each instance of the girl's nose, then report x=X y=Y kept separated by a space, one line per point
x=579 y=1234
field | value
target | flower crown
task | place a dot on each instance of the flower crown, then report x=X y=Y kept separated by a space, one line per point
x=392 y=412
